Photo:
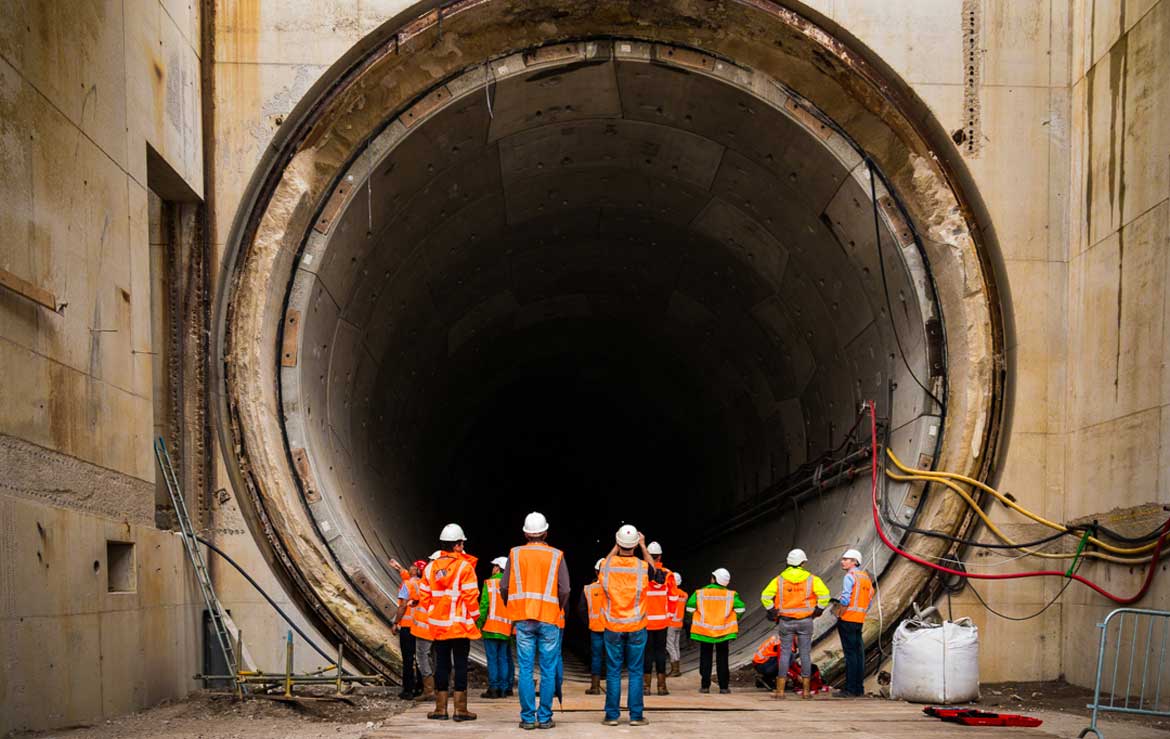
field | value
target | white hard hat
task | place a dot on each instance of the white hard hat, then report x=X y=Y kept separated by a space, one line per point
x=852 y=554
x=535 y=523
x=722 y=576
x=797 y=557
x=600 y=562
x=500 y=562
x=655 y=548
x=452 y=532
x=627 y=536
x=677 y=579
x=435 y=555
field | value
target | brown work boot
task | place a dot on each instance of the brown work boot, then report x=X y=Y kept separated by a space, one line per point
x=778 y=691
x=804 y=681
x=674 y=669
x=646 y=676
x=428 y=693
x=662 y=684
x=440 y=712
x=461 y=712
x=594 y=686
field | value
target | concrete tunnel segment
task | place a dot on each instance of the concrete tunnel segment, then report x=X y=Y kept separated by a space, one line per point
x=613 y=261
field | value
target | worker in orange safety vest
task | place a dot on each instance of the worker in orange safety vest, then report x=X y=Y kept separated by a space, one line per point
x=794 y=599
x=403 y=622
x=625 y=579
x=536 y=587
x=674 y=631
x=715 y=610
x=661 y=600
x=449 y=591
x=850 y=608
x=592 y=604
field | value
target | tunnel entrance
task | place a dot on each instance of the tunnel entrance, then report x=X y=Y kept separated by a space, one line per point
x=614 y=279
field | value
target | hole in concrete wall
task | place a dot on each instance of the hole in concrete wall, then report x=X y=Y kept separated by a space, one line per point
x=120 y=572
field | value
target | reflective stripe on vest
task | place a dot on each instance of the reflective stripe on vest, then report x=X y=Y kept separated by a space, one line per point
x=594 y=597
x=711 y=618
x=496 y=621
x=792 y=603
x=859 y=598
x=627 y=617
x=537 y=601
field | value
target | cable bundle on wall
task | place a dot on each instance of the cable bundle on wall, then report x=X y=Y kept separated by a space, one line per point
x=948 y=479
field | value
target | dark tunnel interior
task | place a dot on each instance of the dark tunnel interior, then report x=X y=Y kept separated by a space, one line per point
x=621 y=292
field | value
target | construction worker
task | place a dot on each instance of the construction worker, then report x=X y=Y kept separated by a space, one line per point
x=625 y=580
x=715 y=610
x=404 y=621
x=592 y=603
x=450 y=593
x=536 y=588
x=766 y=662
x=660 y=604
x=496 y=628
x=674 y=631
x=850 y=608
x=794 y=599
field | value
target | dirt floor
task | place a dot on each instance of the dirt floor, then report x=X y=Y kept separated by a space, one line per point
x=1056 y=696
x=218 y=716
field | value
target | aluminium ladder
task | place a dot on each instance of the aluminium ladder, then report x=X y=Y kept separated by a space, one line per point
x=210 y=601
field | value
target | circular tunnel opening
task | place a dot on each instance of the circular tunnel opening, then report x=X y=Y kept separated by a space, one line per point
x=608 y=279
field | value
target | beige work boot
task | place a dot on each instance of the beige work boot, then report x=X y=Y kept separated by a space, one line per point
x=805 y=681
x=675 y=671
x=461 y=712
x=778 y=691
x=428 y=693
x=440 y=712
x=594 y=686
x=662 y=684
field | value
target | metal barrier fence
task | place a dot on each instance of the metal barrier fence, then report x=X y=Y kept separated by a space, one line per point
x=1139 y=642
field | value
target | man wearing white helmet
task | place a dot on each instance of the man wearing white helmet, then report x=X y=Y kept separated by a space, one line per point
x=794 y=599
x=660 y=604
x=592 y=605
x=715 y=610
x=496 y=626
x=850 y=608
x=536 y=588
x=449 y=592
x=625 y=580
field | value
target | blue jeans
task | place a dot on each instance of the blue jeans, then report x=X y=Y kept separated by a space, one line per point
x=624 y=649
x=533 y=637
x=497 y=662
x=596 y=652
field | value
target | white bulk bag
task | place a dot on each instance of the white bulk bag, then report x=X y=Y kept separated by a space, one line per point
x=936 y=663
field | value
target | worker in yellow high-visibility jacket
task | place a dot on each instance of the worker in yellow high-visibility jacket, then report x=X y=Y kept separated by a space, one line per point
x=794 y=599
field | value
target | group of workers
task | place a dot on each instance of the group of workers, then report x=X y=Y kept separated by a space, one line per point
x=636 y=612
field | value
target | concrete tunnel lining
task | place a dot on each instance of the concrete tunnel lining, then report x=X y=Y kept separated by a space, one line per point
x=584 y=205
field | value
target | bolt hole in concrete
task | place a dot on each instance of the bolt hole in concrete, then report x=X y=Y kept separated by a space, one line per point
x=639 y=349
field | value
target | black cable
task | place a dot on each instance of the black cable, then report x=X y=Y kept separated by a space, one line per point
x=271 y=602
x=877 y=234
x=985 y=545
x=1067 y=581
x=1153 y=535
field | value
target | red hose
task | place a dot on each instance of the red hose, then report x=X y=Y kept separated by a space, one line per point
x=1002 y=576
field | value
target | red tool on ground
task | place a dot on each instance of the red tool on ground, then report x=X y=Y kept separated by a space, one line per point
x=975 y=717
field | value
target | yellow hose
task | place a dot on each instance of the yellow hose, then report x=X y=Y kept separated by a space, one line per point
x=1002 y=536
x=940 y=476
